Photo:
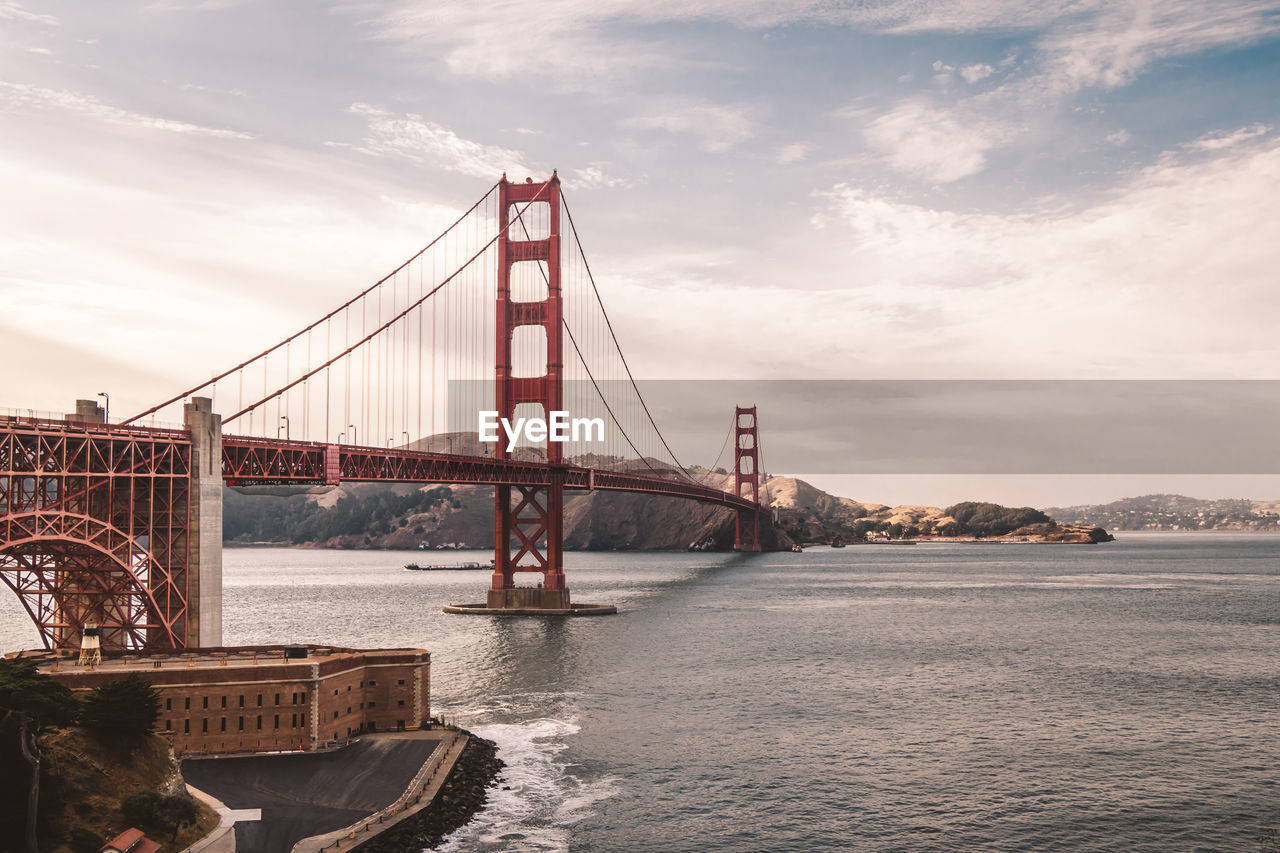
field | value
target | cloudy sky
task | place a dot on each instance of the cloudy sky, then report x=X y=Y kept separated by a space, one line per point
x=977 y=189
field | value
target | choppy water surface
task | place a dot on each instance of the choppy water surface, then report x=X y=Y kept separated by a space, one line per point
x=930 y=697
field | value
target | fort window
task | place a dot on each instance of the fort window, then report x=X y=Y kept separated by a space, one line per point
x=204 y=725
x=302 y=719
x=294 y=723
x=241 y=700
x=168 y=704
x=372 y=683
x=186 y=727
x=242 y=724
x=400 y=682
x=259 y=722
x=277 y=698
x=224 y=724
x=277 y=721
x=205 y=701
x=259 y=700
x=335 y=716
x=399 y=703
x=372 y=704
x=187 y=704
x=224 y=701
x=168 y=725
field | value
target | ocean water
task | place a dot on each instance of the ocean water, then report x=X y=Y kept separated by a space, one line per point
x=931 y=697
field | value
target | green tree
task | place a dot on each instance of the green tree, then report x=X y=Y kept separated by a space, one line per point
x=988 y=519
x=139 y=808
x=175 y=812
x=30 y=701
x=123 y=710
x=148 y=810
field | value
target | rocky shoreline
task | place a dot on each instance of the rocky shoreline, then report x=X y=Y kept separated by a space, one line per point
x=462 y=796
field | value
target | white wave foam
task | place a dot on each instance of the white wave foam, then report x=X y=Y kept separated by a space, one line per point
x=537 y=798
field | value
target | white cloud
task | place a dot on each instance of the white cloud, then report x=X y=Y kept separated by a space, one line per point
x=25 y=97
x=1075 y=46
x=1085 y=42
x=414 y=138
x=1227 y=139
x=564 y=44
x=978 y=71
x=593 y=177
x=720 y=127
x=1112 y=43
x=793 y=153
x=1119 y=138
x=1172 y=276
x=11 y=11
x=934 y=144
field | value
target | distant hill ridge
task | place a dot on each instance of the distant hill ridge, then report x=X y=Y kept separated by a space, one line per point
x=410 y=516
x=1174 y=512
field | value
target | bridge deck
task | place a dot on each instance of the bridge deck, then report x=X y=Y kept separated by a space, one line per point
x=255 y=461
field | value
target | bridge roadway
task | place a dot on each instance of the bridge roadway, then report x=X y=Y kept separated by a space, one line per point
x=250 y=461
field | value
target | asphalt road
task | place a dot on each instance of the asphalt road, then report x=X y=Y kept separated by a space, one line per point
x=304 y=795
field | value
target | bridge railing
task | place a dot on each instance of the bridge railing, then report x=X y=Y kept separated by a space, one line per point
x=28 y=419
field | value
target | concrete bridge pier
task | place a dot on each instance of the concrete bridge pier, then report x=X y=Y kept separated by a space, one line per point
x=204 y=569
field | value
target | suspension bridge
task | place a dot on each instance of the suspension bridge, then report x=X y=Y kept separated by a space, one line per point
x=119 y=525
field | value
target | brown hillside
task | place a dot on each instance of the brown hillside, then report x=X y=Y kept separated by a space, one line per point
x=87 y=781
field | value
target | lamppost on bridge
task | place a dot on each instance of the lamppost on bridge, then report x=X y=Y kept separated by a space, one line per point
x=355 y=438
x=284 y=418
x=405 y=433
x=106 y=408
x=341 y=437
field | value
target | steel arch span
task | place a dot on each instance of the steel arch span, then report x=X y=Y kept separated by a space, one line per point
x=94 y=528
x=70 y=571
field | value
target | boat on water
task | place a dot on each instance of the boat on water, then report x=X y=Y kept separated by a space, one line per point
x=471 y=566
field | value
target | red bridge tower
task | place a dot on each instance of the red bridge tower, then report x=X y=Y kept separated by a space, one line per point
x=746 y=476
x=529 y=531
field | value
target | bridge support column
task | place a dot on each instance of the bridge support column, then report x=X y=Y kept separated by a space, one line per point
x=746 y=477
x=204 y=614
